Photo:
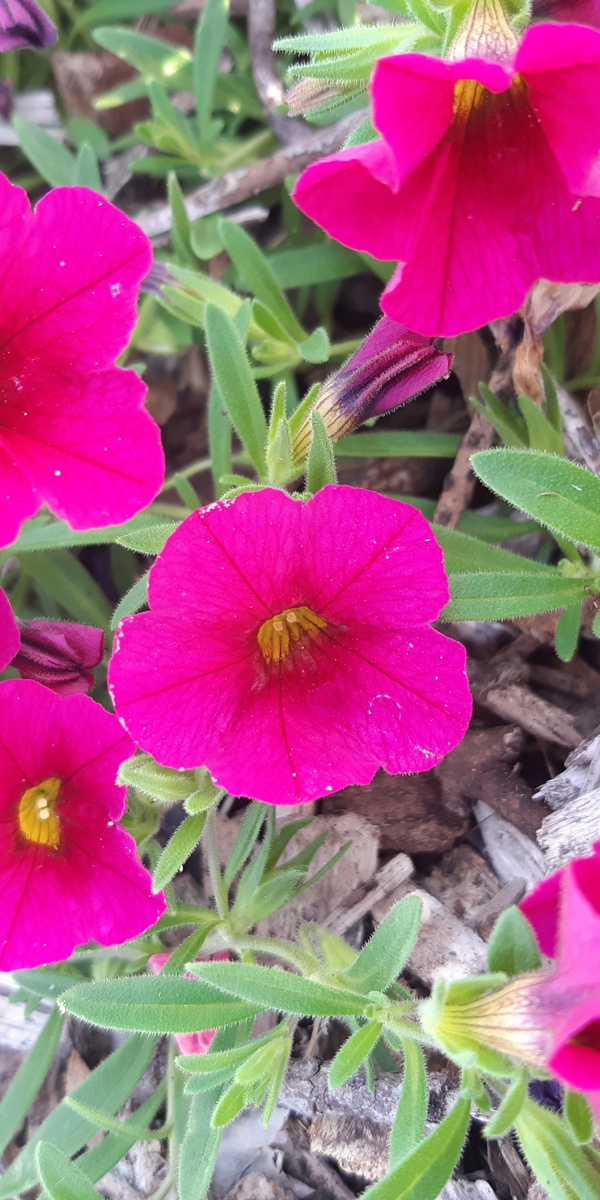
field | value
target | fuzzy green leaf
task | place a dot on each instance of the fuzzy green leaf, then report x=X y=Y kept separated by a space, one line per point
x=353 y=1052
x=560 y=494
x=61 y=1178
x=409 y=1123
x=425 y=1171
x=271 y=987
x=236 y=385
x=25 y=1085
x=508 y=1111
x=380 y=962
x=165 y=1004
x=512 y=947
x=178 y=850
x=500 y=596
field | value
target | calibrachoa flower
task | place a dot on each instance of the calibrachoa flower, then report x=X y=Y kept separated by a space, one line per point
x=478 y=183
x=391 y=366
x=73 y=429
x=59 y=654
x=289 y=646
x=550 y=1019
x=190 y=1043
x=68 y=871
x=9 y=632
x=24 y=24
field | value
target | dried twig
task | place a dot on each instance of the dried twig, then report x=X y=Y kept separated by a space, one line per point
x=460 y=483
x=236 y=186
x=261 y=34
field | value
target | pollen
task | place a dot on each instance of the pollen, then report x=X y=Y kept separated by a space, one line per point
x=38 y=820
x=278 y=636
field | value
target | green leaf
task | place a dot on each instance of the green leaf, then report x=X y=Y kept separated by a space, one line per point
x=566 y=638
x=245 y=841
x=119 y=10
x=500 y=596
x=579 y=1117
x=132 y=601
x=398 y=445
x=259 y=277
x=25 y=1085
x=60 y=1177
x=181 y=229
x=512 y=947
x=199 y=1148
x=165 y=1004
x=209 y=41
x=508 y=1111
x=87 y=171
x=178 y=850
x=271 y=987
x=409 y=1123
x=224 y=1060
x=353 y=1052
x=108 y=1087
x=50 y=158
x=96 y=1162
x=320 y=465
x=39 y=534
x=219 y=439
x=229 y=1106
x=161 y=783
x=560 y=494
x=68 y=582
x=155 y=60
x=306 y=265
x=561 y=1167
x=465 y=554
x=151 y=540
x=425 y=1171
x=380 y=962
x=236 y=385
x=315 y=348
x=542 y=434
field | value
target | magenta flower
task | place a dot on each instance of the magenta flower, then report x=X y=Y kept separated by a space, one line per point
x=68 y=871
x=577 y=12
x=289 y=646
x=549 y=1019
x=9 y=632
x=478 y=183
x=390 y=367
x=190 y=1043
x=73 y=430
x=24 y=24
x=59 y=654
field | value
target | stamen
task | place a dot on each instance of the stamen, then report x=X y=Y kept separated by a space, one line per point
x=38 y=821
x=277 y=636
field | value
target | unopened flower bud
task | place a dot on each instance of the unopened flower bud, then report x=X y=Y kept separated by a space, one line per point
x=24 y=24
x=390 y=367
x=59 y=655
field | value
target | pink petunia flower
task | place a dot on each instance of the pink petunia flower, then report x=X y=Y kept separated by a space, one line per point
x=289 y=646
x=68 y=871
x=190 y=1043
x=59 y=654
x=390 y=367
x=550 y=1019
x=9 y=632
x=577 y=12
x=481 y=180
x=73 y=429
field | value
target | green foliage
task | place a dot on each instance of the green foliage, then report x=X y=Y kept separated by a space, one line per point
x=164 y=1004
x=382 y=959
x=320 y=465
x=271 y=987
x=408 y=1129
x=508 y=1111
x=236 y=385
x=423 y=1172
x=25 y=1085
x=353 y=1053
x=512 y=948
x=564 y=1169
x=61 y=1178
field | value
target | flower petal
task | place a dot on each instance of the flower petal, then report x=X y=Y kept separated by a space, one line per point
x=9 y=632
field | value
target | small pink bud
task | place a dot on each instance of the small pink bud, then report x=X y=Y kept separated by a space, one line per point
x=59 y=655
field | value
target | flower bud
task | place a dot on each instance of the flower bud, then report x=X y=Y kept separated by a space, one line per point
x=390 y=367
x=59 y=655
x=24 y=24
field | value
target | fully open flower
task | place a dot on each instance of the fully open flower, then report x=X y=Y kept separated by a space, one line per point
x=190 y=1043
x=549 y=1019
x=9 y=632
x=68 y=872
x=24 y=24
x=478 y=183
x=289 y=647
x=73 y=429
x=391 y=366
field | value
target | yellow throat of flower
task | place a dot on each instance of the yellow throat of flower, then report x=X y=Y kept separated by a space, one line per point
x=38 y=820
x=278 y=635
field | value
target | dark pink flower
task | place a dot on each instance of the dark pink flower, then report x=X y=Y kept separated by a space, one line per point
x=289 y=646
x=391 y=366
x=190 y=1043
x=577 y=12
x=478 y=184
x=73 y=429
x=68 y=871
x=24 y=24
x=59 y=654
x=9 y=632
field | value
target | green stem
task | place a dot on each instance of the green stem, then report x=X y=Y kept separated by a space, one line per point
x=214 y=868
x=303 y=962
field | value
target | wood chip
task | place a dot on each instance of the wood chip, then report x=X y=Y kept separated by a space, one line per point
x=388 y=878
x=513 y=855
x=571 y=830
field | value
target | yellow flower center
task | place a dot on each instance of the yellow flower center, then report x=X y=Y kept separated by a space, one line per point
x=277 y=636
x=38 y=820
